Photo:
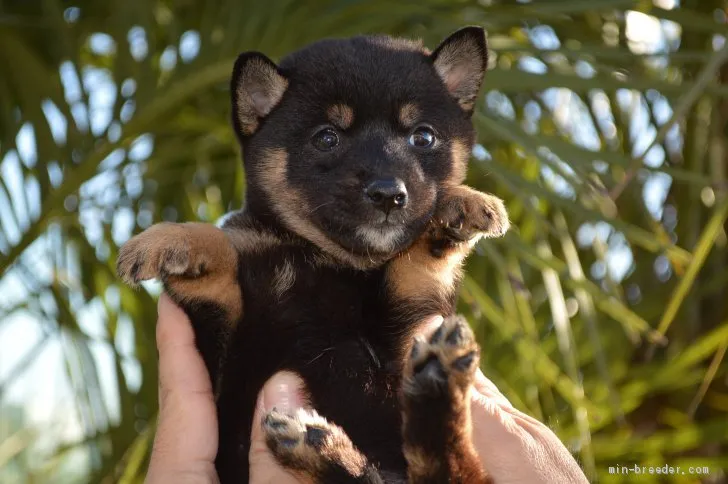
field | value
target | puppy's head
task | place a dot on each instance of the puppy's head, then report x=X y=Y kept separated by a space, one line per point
x=347 y=142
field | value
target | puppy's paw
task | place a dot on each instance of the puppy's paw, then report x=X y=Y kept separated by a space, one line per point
x=445 y=363
x=162 y=250
x=309 y=444
x=195 y=261
x=463 y=215
x=435 y=390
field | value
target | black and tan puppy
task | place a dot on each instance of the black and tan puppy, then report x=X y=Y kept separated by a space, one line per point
x=354 y=230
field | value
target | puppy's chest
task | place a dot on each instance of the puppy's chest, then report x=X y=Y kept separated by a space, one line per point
x=316 y=313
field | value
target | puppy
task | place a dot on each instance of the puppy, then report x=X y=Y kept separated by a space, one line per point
x=355 y=227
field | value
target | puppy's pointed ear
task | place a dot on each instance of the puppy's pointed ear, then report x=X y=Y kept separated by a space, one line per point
x=257 y=86
x=461 y=61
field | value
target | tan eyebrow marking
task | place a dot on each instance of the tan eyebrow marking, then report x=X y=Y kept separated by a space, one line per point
x=459 y=155
x=408 y=115
x=340 y=115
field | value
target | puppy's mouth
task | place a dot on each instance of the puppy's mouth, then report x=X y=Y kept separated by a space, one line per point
x=369 y=232
x=381 y=238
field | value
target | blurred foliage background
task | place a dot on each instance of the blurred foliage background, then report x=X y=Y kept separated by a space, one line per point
x=604 y=312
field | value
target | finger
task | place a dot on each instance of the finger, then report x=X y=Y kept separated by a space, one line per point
x=492 y=419
x=285 y=392
x=186 y=437
x=181 y=365
x=513 y=445
x=540 y=432
x=489 y=401
x=487 y=388
x=498 y=436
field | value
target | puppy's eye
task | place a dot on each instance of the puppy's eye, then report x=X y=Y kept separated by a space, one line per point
x=422 y=137
x=325 y=140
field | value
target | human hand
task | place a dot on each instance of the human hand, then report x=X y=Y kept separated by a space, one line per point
x=513 y=447
x=185 y=444
x=284 y=391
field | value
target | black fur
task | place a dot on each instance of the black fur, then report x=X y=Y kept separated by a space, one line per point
x=340 y=317
x=336 y=326
x=374 y=78
x=336 y=329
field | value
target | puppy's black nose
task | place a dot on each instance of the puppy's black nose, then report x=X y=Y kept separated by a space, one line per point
x=387 y=194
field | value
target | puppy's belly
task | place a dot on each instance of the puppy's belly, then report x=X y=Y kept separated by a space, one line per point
x=345 y=385
x=329 y=326
x=359 y=394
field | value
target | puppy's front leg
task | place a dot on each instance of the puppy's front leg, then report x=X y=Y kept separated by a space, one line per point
x=316 y=449
x=198 y=265
x=438 y=374
x=425 y=277
x=438 y=379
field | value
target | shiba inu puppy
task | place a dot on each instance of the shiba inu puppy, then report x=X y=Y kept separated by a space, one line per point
x=354 y=230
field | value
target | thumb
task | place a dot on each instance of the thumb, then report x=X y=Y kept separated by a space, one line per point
x=285 y=392
x=186 y=439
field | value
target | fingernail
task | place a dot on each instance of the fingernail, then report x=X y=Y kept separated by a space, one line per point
x=430 y=324
x=168 y=306
x=434 y=320
x=282 y=391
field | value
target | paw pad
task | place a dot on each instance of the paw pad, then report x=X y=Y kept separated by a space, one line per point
x=449 y=356
x=306 y=441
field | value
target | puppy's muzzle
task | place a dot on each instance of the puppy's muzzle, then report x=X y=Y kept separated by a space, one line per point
x=387 y=194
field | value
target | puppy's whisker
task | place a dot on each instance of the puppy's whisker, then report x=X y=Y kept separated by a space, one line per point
x=320 y=206
x=323 y=352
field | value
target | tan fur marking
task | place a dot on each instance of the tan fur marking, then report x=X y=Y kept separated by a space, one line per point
x=409 y=114
x=251 y=241
x=460 y=155
x=416 y=274
x=196 y=260
x=249 y=124
x=420 y=464
x=464 y=460
x=341 y=116
x=221 y=290
x=293 y=209
x=283 y=278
